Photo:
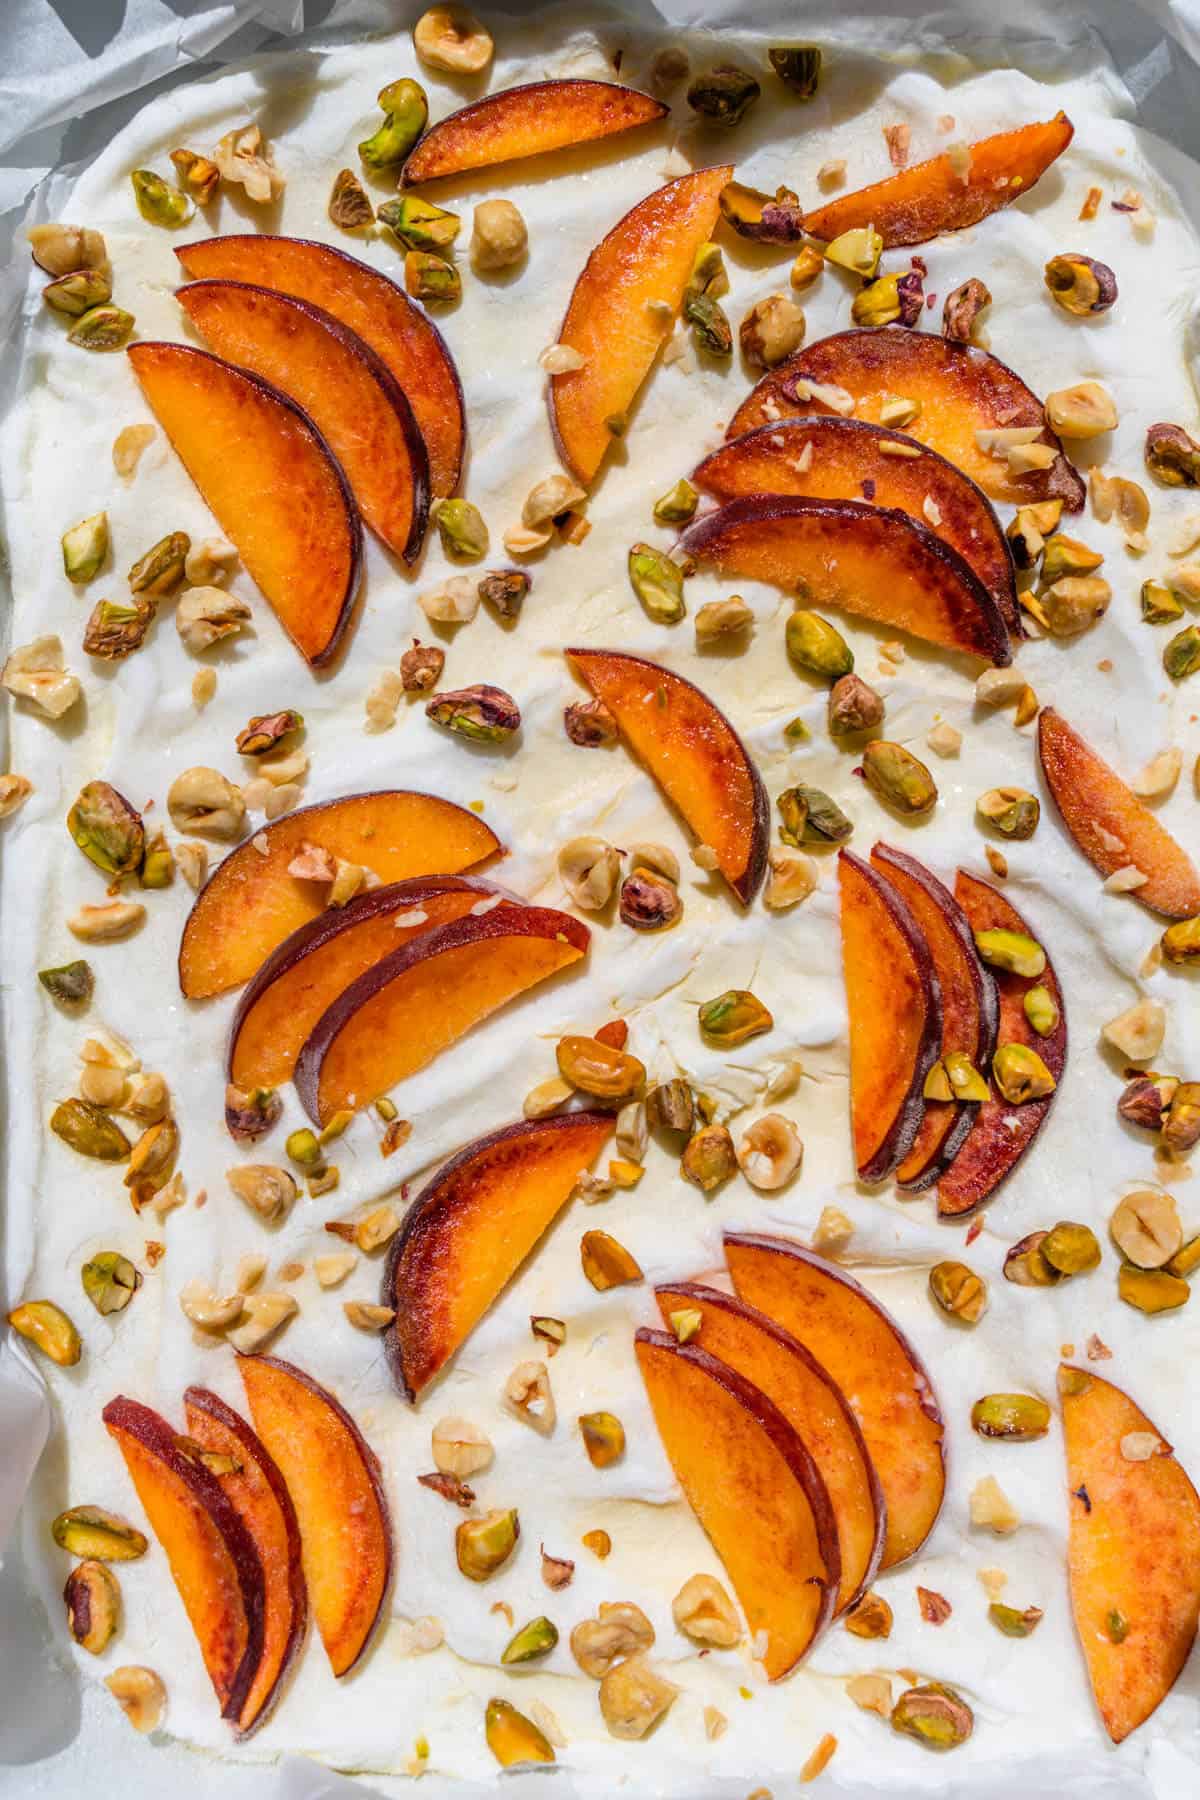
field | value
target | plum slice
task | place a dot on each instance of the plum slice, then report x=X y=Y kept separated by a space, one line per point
x=470 y=1229
x=527 y=121
x=749 y=1479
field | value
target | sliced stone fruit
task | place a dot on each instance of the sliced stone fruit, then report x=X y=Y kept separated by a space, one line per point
x=862 y=1348
x=811 y=1401
x=749 y=1478
x=1133 y=1551
x=959 y=389
x=842 y=459
x=694 y=754
x=869 y=560
x=252 y=903
x=531 y=120
x=336 y=1485
x=616 y=318
x=970 y=1009
x=273 y=485
x=377 y=310
x=1001 y=1134
x=1110 y=825
x=405 y=1010
x=471 y=1228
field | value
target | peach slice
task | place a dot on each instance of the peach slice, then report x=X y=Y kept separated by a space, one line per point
x=970 y=1010
x=868 y=560
x=347 y=391
x=272 y=483
x=810 y=1400
x=212 y=1557
x=1133 y=1552
x=374 y=308
x=862 y=1348
x=251 y=903
x=257 y=1492
x=841 y=459
x=527 y=121
x=402 y=1012
x=317 y=962
x=646 y=257
x=1110 y=825
x=1001 y=1134
x=949 y=192
x=960 y=390
x=470 y=1229
x=693 y=753
x=752 y=1484
x=333 y=1477
x=895 y=1015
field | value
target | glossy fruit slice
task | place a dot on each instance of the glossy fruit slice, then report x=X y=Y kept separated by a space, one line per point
x=866 y=1353
x=842 y=459
x=1110 y=825
x=646 y=257
x=970 y=1009
x=866 y=559
x=251 y=903
x=308 y=971
x=333 y=1477
x=256 y=1490
x=527 y=121
x=694 y=754
x=212 y=1557
x=1133 y=1552
x=752 y=1484
x=960 y=390
x=353 y=399
x=405 y=1010
x=811 y=1401
x=272 y=483
x=947 y=193
x=374 y=308
x=1002 y=1133
x=470 y=1229
x=895 y=1016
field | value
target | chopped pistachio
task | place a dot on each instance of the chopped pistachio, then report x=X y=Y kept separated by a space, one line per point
x=406 y=111
x=677 y=505
x=1011 y=950
x=90 y=1531
x=733 y=1017
x=814 y=644
x=485 y=1544
x=47 y=1327
x=107 y=829
x=110 y=1281
x=419 y=225
x=158 y=202
x=461 y=528
x=1020 y=1074
x=898 y=778
x=1017 y=1418
x=431 y=279
x=723 y=95
x=84 y=548
x=959 y=1291
x=104 y=327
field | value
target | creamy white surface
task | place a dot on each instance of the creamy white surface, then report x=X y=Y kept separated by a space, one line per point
x=1033 y=1709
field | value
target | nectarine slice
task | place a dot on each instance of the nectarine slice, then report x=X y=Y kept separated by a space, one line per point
x=272 y=483
x=862 y=1348
x=333 y=1477
x=527 y=121
x=895 y=1017
x=1001 y=1134
x=374 y=308
x=1133 y=1552
x=258 y=1494
x=308 y=971
x=212 y=1557
x=751 y=1482
x=347 y=391
x=470 y=1229
x=1110 y=825
x=251 y=903
x=869 y=560
x=694 y=754
x=945 y=193
x=960 y=390
x=842 y=459
x=647 y=257
x=811 y=1401
x=970 y=1010
x=402 y=1012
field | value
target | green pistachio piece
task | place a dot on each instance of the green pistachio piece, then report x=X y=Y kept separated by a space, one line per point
x=1151 y=1290
x=84 y=548
x=92 y=1532
x=1041 y=1009
x=304 y=1147
x=678 y=505
x=798 y=66
x=406 y=111
x=105 y=327
x=158 y=202
x=878 y=303
x=1181 y=941
x=1017 y=1418
x=418 y=224
x=1071 y=1249
x=161 y=569
x=709 y=1158
x=110 y=1281
x=1020 y=1074
x=115 y=628
x=934 y=1715
x=671 y=1107
x=512 y=1738
x=461 y=527
x=1116 y=1625
x=1011 y=950
x=1181 y=656
x=349 y=207
x=1159 y=605
x=937 y=1083
x=814 y=644
x=809 y=816
x=89 y=1131
x=965 y=1080
x=483 y=713
x=658 y=583
x=431 y=279
x=47 y=1327
x=107 y=829
x=1010 y=810
x=858 y=250
x=1067 y=556
x=71 y=984
x=1026 y=1265
x=1012 y=1623
x=158 y=864
x=898 y=778
x=710 y=327
x=536 y=1639
x=797 y=732
x=74 y=294
x=483 y=1545
x=959 y=1291
x=266 y=731
x=734 y=1016
x=723 y=95
x=708 y=275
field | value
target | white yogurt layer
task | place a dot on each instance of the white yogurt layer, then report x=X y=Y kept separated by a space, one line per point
x=1036 y=1727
